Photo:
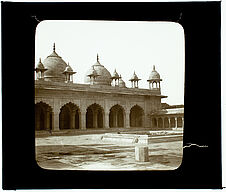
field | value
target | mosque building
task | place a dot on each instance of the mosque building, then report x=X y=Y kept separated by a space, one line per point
x=103 y=101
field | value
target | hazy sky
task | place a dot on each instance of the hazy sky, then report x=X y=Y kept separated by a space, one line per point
x=124 y=46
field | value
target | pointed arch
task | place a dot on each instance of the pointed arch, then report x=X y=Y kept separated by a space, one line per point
x=43 y=116
x=94 y=116
x=154 y=122
x=69 y=117
x=116 y=116
x=136 y=116
x=160 y=122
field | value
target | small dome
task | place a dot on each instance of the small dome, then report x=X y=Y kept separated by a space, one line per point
x=56 y=66
x=134 y=77
x=104 y=76
x=68 y=68
x=40 y=65
x=121 y=82
x=92 y=72
x=115 y=75
x=154 y=75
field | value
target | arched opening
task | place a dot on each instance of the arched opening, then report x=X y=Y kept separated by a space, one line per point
x=166 y=122
x=179 y=121
x=172 y=122
x=69 y=116
x=160 y=123
x=136 y=116
x=43 y=116
x=94 y=116
x=154 y=123
x=116 y=116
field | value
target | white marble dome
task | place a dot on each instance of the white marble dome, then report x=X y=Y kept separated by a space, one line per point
x=104 y=76
x=154 y=75
x=56 y=66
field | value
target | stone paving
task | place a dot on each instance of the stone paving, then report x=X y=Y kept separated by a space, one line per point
x=89 y=152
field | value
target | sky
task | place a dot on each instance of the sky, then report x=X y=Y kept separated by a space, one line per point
x=126 y=46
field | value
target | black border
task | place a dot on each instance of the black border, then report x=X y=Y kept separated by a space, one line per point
x=201 y=167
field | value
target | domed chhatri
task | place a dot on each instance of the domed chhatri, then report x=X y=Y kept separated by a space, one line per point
x=103 y=75
x=154 y=75
x=154 y=80
x=40 y=65
x=115 y=74
x=92 y=74
x=115 y=78
x=40 y=69
x=68 y=69
x=134 y=80
x=68 y=72
x=56 y=67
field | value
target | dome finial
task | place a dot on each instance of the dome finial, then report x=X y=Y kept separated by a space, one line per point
x=97 y=58
x=153 y=67
x=54 y=47
x=40 y=60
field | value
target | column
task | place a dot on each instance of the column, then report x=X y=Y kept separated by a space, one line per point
x=157 y=122
x=106 y=120
x=83 y=120
x=175 y=122
x=182 y=122
x=48 y=120
x=169 y=122
x=163 y=122
x=55 y=122
x=72 y=126
x=127 y=120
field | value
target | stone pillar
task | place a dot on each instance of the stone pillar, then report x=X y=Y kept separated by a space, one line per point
x=169 y=122
x=72 y=126
x=55 y=122
x=106 y=120
x=175 y=122
x=48 y=120
x=95 y=124
x=157 y=123
x=145 y=121
x=163 y=122
x=127 y=119
x=141 y=153
x=83 y=120
x=182 y=122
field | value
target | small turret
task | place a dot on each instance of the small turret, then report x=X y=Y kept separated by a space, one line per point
x=68 y=72
x=154 y=80
x=40 y=69
x=134 y=80
x=115 y=77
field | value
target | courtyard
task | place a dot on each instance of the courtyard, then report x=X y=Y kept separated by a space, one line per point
x=85 y=150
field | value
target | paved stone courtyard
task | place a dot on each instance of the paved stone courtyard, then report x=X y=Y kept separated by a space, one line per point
x=86 y=151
